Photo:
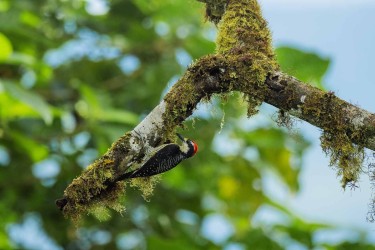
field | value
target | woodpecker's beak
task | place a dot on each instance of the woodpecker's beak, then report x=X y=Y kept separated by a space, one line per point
x=180 y=136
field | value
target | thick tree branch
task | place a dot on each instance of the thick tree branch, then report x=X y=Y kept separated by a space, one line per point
x=288 y=93
x=209 y=76
x=244 y=62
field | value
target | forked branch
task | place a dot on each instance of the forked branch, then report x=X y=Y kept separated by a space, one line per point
x=244 y=62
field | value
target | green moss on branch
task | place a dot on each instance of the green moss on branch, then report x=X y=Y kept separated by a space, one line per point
x=244 y=38
x=343 y=137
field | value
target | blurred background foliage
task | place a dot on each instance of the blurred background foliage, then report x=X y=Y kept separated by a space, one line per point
x=75 y=75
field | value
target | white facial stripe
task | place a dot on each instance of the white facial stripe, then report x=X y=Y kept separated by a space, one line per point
x=185 y=148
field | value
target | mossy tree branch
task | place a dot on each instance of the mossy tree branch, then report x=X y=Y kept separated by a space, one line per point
x=244 y=62
x=299 y=99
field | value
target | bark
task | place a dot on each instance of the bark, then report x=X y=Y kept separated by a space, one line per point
x=288 y=93
x=244 y=62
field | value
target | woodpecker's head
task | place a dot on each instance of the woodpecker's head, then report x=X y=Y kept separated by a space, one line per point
x=189 y=147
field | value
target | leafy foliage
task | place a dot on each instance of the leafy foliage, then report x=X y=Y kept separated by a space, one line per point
x=306 y=66
x=72 y=81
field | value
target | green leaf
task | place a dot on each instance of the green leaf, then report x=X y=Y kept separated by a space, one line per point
x=31 y=99
x=306 y=66
x=30 y=19
x=158 y=243
x=4 y=6
x=4 y=241
x=273 y=151
x=115 y=115
x=260 y=239
x=35 y=150
x=98 y=109
x=297 y=221
x=21 y=59
x=6 y=48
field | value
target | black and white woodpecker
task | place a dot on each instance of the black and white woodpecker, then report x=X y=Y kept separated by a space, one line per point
x=164 y=158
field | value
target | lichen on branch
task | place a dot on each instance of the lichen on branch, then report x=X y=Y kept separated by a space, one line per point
x=346 y=129
x=99 y=184
x=244 y=38
x=244 y=30
x=244 y=61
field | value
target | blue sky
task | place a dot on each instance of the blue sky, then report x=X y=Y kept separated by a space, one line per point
x=343 y=31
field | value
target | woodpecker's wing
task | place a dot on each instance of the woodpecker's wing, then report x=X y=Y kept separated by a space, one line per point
x=163 y=160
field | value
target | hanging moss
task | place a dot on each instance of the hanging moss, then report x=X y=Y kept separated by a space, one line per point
x=371 y=173
x=244 y=58
x=97 y=190
x=96 y=186
x=284 y=119
x=346 y=156
x=110 y=197
x=244 y=37
x=336 y=141
x=146 y=185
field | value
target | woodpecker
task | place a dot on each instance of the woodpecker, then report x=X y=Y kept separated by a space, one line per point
x=164 y=158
